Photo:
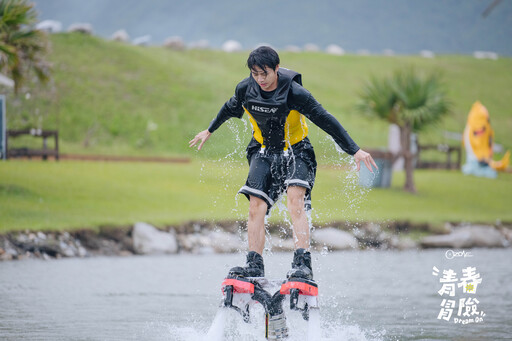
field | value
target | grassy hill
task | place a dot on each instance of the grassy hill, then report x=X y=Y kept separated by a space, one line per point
x=113 y=98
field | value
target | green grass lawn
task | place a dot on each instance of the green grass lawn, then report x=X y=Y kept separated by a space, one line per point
x=112 y=98
x=70 y=195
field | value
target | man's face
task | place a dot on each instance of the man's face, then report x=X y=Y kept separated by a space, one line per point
x=267 y=79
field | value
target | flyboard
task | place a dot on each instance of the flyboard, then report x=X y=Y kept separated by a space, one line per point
x=241 y=293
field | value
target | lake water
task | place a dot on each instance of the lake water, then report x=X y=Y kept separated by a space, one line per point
x=364 y=295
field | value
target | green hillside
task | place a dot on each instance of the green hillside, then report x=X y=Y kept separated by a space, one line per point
x=113 y=98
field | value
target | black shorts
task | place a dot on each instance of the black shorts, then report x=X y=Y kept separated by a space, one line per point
x=270 y=173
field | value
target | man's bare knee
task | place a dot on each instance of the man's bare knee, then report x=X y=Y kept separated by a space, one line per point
x=296 y=200
x=257 y=207
x=296 y=207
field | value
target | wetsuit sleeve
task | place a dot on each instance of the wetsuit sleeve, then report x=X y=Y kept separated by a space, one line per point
x=307 y=105
x=232 y=108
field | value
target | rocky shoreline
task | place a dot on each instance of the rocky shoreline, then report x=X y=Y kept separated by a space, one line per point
x=227 y=237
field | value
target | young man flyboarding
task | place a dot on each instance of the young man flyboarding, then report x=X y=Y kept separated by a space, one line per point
x=281 y=158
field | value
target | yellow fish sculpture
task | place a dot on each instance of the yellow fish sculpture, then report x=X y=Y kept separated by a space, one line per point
x=478 y=142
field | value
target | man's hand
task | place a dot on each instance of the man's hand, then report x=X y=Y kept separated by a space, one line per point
x=361 y=155
x=202 y=136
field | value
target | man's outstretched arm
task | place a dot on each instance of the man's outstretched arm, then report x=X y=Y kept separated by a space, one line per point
x=232 y=108
x=328 y=123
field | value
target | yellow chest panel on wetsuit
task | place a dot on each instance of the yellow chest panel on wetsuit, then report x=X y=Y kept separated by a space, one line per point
x=294 y=129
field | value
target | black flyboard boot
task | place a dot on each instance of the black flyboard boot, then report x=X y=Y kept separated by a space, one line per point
x=254 y=267
x=237 y=282
x=300 y=284
x=301 y=265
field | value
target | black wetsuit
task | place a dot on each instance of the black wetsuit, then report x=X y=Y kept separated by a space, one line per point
x=280 y=153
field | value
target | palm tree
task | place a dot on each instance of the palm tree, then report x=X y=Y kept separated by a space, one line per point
x=411 y=102
x=22 y=47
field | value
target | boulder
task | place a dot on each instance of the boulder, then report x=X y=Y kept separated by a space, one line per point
x=88 y=239
x=37 y=244
x=82 y=252
x=185 y=242
x=401 y=243
x=371 y=235
x=49 y=26
x=467 y=237
x=195 y=243
x=67 y=249
x=485 y=55
x=8 y=251
x=174 y=43
x=335 y=50
x=456 y=240
x=224 y=242
x=486 y=236
x=149 y=240
x=120 y=235
x=83 y=28
x=507 y=233
x=120 y=35
x=334 y=239
x=231 y=46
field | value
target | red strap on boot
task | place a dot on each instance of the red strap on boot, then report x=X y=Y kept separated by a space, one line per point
x=238 y=285
x=304 y=288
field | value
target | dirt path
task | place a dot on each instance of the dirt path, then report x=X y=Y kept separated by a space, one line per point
x=123 y=158
x=84 y=157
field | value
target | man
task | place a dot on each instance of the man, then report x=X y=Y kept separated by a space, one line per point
x=281 y=158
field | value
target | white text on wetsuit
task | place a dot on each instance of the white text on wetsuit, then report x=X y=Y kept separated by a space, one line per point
x=263 y=109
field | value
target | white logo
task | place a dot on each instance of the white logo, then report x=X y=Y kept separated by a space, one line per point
x=263 y=109
x=450 y=254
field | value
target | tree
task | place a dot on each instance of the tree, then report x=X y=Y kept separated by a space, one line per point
x=22 y=48
x=410 y=101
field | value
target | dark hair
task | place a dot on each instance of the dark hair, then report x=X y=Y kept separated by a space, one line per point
x=263 y=56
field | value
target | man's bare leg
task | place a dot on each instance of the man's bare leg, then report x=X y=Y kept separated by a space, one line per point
x=299 y=218
x=256 y=224
x=254 y=266
x=301 y=265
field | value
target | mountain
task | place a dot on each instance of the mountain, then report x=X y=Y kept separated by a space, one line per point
x=404 y=26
